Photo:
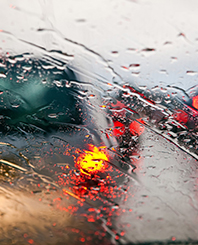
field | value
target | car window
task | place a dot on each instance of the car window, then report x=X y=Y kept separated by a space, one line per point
x=98 y=122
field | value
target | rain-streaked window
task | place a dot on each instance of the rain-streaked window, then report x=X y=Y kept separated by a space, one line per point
x=98 y=122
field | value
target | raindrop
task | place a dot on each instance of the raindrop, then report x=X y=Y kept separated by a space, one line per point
x=148 y=49
x=134 y=65
x=53 y=115
x=192 y=73
x=27 y=67
x=2 y=75
x=58 y=83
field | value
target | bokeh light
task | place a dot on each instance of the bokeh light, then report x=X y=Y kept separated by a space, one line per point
x=195 y=102
x=93 y=160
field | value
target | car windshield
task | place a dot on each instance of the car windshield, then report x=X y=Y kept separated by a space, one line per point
x=98 y=122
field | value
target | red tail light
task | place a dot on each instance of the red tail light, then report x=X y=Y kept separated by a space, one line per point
x=195 y=102
x=119 y=128
x=181 y=116
x=136 y=128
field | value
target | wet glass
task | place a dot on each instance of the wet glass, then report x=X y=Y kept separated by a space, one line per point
x=98 y=122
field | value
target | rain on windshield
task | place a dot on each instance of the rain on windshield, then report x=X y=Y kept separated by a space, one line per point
x=98 y=122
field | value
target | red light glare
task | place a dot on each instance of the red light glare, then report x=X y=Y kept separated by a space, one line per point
x=180 y=116
x=195 y=102
x=136 y=128
x=92 y=161
x=119 y=128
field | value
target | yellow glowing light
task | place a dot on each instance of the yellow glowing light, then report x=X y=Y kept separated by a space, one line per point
x=92 y=161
